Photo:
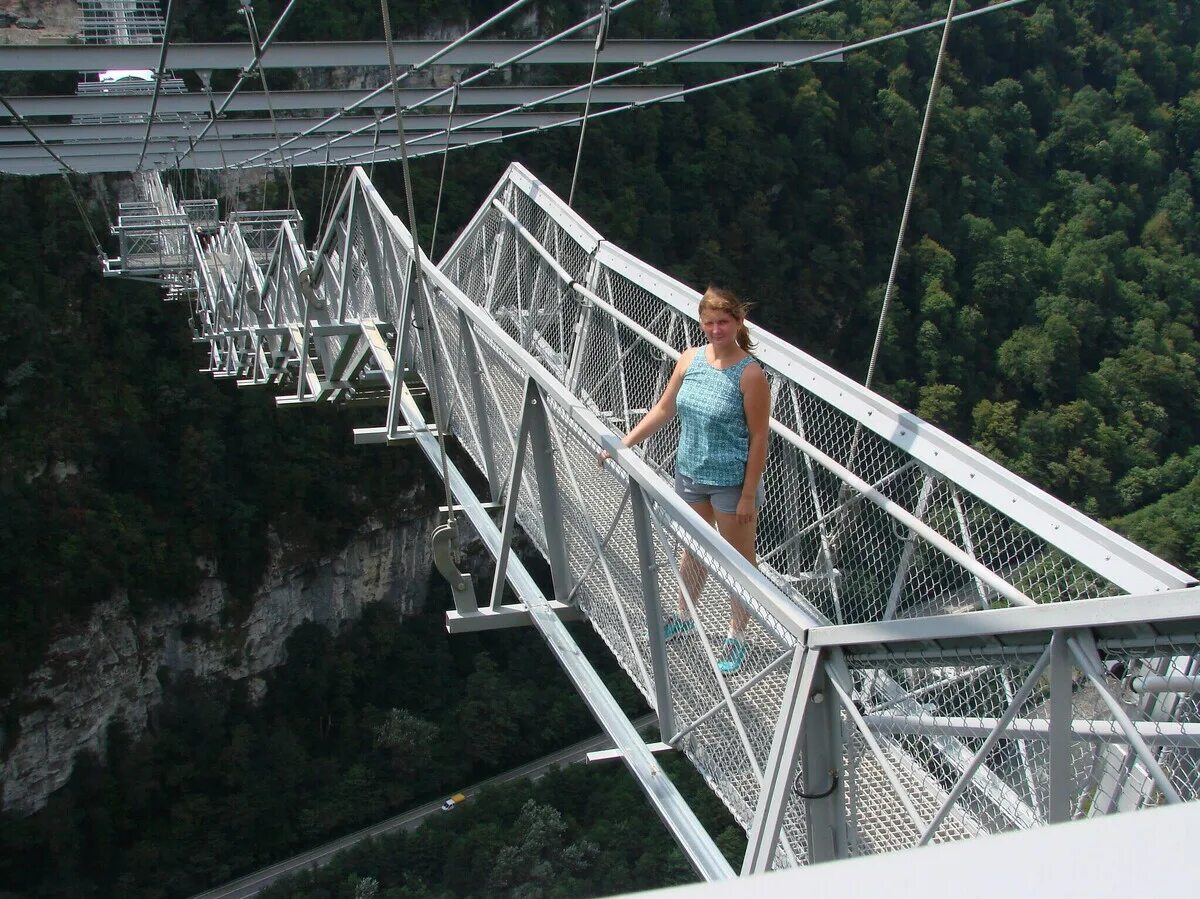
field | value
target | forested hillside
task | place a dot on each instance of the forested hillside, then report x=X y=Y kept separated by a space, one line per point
x=1046 y=312
x=1048 y=293
x=122 y=466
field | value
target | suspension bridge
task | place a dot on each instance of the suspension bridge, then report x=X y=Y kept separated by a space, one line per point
x=939 y=649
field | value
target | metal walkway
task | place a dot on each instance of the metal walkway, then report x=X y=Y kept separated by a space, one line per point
x=940 y=650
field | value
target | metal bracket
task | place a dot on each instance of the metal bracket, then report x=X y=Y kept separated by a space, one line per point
x=607 y=755
x=443 y=541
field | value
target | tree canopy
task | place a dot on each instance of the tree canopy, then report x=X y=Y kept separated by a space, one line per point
x=1046 y=312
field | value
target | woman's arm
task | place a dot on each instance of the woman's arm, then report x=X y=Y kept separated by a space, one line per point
x=662 y=411
x=756 y=401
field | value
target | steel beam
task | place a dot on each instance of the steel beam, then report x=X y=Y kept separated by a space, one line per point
x=1176 y=611
x=1061 y=684
x=697 y=845
x=157 y=159
x=331 y=100
x=651 y=603
x=506 y=616
x=779 y=775
x=1088 y=730
x=232 y=146
x=331 y=54
x=542 y=447
x=234 y=128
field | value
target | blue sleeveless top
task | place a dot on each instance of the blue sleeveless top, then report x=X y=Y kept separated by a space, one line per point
x=715 y=441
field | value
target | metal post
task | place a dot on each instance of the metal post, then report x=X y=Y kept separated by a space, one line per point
x=493 y=272
x=466 y=339
x=648 y=561
x=583 y=327
x=822 y=775
x=547 y=481
x=347 y=249
x=780 y=773
x=403 y=347
x=906 y=556
x=1060 y=729
x=511 y=495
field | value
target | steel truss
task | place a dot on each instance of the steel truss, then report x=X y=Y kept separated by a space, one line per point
x=939 y=649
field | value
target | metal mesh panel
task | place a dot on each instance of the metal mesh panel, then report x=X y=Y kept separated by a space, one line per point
x=823 y=542
x=1160 y=683
x=932 y=713
x=533 y=331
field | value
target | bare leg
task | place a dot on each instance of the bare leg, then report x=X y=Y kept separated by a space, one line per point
x=741 y=537
x=691 y=571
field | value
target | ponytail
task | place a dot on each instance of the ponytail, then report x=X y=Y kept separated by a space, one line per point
x=743 y=338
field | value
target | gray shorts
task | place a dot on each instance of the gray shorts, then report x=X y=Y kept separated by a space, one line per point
x=723 y=499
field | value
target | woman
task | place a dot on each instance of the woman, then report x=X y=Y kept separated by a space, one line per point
x=724 y=406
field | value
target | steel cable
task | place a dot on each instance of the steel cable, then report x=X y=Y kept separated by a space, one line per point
x=437 y=208
x=662 y=60
x=244 y=74
x=158 y=78
x=912 y=190
x=495 y=67
x=248 y=11
x=601 y=38
x=439 y=412
x=685 y=92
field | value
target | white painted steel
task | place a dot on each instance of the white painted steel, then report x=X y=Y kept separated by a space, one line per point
x=878 y=539
x=329 y=54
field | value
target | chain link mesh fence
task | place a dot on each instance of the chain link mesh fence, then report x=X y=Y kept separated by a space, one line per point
x=854 y=530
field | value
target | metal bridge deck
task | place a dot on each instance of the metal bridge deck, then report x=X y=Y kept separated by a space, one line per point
x=939 y=649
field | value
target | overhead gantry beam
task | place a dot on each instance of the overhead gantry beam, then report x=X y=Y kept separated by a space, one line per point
x=191 y=57
x=330 y=100
x=260 y=127
x=211 y=158
x=96 y=158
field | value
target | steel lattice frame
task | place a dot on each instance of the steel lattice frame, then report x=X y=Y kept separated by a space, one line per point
x=940 y=649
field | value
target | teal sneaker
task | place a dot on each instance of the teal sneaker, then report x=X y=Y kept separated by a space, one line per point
x=677 y=626
x=733 y=653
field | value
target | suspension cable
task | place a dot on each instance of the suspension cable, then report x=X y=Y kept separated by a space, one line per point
x=247 y=72
x=908 y=200
x=206 y=83
x=685 y=92
x=286 y=162
x=158 y=79
x=495 y=67
x=335 y=191
x=425 y=63
x=601 y=40
x=437 y=208
x=839 y=529
x=375 y=145
x=640 y=67
x=321 y=207
x=20 y=120
x=421 y=287
x=87 y=223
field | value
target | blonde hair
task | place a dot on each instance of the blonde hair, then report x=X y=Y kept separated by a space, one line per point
x=718 y=299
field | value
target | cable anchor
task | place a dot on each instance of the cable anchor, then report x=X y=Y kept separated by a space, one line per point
x=444 y=545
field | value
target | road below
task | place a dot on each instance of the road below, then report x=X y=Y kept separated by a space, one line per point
x=252 y=884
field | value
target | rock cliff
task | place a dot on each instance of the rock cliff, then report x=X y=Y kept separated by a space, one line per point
x=107 y=670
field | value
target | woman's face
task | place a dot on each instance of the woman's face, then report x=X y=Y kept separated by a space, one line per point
x=719 y=327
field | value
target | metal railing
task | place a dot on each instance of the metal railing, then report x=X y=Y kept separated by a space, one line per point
x=939 y=650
